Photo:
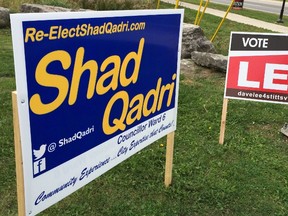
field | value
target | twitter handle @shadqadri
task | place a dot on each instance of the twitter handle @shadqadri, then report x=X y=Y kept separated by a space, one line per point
x=78 y=135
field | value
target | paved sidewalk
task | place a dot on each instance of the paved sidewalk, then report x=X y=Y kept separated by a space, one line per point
x=235 y=17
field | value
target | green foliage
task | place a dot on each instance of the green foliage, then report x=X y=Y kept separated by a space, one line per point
x=14 y=5
x=115 y=4
x=59 y=3
x=246 y=176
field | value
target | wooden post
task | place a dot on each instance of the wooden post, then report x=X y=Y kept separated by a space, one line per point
x=18 y=157
x=223 y=121
x=169 y=158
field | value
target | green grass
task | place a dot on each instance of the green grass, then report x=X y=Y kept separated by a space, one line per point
x=246 y=176
x=7 y=66
x=210 y=23
x=267 y=17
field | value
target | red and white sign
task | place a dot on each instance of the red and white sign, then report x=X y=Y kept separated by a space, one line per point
x=258 y=67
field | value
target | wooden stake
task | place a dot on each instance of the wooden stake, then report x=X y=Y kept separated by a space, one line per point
x=169 y=158
x=223 y=121
x=18 y=158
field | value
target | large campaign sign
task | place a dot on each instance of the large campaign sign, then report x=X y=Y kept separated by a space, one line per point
x=93 y=88
x=258 y=67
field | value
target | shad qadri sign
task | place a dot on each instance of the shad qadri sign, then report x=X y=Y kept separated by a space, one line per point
x=93 y=88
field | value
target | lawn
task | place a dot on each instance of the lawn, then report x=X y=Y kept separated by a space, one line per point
x=245 y=176
x=271 y=18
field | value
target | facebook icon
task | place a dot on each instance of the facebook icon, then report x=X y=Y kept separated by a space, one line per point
x=39 y=166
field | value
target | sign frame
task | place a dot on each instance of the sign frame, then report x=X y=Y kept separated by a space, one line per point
x=22 y=115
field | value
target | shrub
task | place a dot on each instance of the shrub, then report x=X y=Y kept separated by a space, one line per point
x=14 y=5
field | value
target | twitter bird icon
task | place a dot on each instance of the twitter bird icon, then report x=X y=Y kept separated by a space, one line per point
x=39 y=153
